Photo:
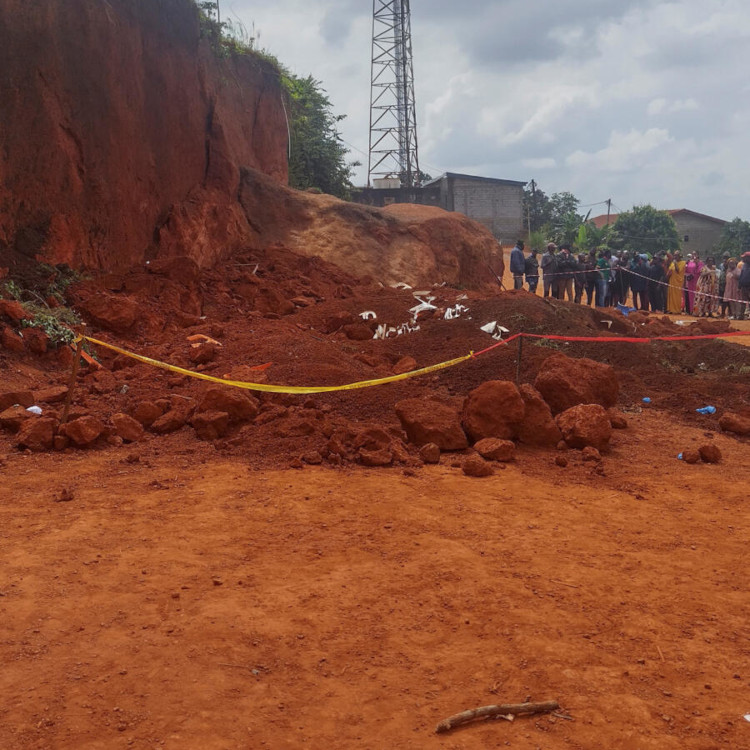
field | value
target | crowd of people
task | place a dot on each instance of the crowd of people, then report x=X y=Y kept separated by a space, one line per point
x=663 y=282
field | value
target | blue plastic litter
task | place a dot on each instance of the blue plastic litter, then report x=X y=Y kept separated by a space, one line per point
x=646 y=400
x=707 y=410
x=625 y=310
x=679 y=456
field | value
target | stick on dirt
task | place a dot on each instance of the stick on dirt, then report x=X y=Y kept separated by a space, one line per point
x=73 y=376
x=487 y=712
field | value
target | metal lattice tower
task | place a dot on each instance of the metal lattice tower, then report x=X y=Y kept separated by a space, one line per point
x=393 y=115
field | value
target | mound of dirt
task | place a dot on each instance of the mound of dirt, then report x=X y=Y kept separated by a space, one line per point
x=415 y=245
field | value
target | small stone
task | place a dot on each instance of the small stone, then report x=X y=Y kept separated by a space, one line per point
x=475 y=466
x=494 y=449
x=313 y=458
x=617 y=419
x=691 y=456
x=589 y=453
x=380 y=457
x=430 y=453
x=561 y=461
x=115 y=441
x=710 y=453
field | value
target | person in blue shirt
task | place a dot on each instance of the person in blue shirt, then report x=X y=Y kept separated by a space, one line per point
x=517 y=265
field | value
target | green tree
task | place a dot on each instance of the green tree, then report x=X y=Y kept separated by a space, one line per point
x=536 y=207
x=590 y=237
x=317 y=157
x=645 y=230
x=556 y=215
x=735 y=238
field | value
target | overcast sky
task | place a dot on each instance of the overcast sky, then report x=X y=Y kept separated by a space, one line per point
x=641 y=101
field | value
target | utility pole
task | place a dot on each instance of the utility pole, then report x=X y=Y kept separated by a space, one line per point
x=609 y=208
x=393 y=115
x=533 y=203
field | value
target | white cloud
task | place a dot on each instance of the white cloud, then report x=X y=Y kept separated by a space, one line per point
x=624 y=152
x=664 y=106
x=541 y=163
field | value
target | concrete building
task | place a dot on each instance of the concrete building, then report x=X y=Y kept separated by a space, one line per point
x=698 y=232
x=496 y=203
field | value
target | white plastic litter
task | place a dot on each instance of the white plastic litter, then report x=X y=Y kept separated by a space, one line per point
x=746 y=717
x=494 y=329
x=368 y=315
x=454 y=312
x=423 y=306
x=462 y=297
x=35 y=410
x=400 y=285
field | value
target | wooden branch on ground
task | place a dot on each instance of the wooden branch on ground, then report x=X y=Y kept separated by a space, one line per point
x=487 y=712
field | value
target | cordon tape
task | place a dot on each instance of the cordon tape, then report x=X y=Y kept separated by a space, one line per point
x=265 y=387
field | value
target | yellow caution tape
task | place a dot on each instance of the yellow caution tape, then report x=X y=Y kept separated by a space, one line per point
x=279 y=388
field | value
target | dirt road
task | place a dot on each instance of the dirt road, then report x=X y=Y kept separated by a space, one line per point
x=187 y=601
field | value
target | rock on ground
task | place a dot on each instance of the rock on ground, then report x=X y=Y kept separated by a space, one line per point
x=210 y=425
x=129 y=429
x=494 y=409
x=565 y=382
x=428 y=421
x=475 y=466
x=430 y=453
x=710 y=453
x=240 y=406
x=494 y=449
x=538 y=426
x=11 y=398
x=85 y=430
x=736 y=423
x=37 y=434
x=585 y=424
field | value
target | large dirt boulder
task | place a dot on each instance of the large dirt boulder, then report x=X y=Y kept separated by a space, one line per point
x=565 y=382
x=736 y=423
x=585 y=424
x=11 y=398
x=14 y=311
x=129 y=429
x=52 y=395
x=13 y=417
x=494 y=410
x=429 y=421
x=37 y=434
x=146 y=413
x=84 y=431
x=538 y=426
x=11 y=340
x=36 y=340
x=239 y=405
x=114 y=313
